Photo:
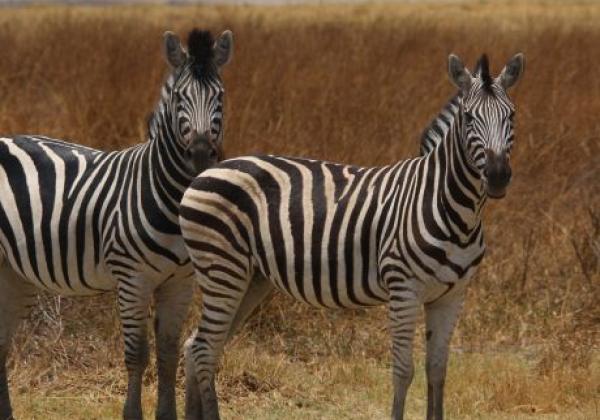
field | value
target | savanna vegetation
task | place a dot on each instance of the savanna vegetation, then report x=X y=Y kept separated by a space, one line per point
x=354 y=84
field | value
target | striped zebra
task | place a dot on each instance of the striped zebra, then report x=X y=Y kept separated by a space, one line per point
x=78 y=221
x=340 y=236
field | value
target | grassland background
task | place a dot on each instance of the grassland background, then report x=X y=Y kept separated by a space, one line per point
x=355 y=84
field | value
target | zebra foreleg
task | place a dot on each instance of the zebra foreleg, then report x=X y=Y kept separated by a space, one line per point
x=404 y=308
x=16 y=299
x=134 y=302
x=173 y=300
x=440 y=320
x=258 y=289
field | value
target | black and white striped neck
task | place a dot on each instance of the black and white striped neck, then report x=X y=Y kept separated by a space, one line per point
x=165 y=173
x=458 y=184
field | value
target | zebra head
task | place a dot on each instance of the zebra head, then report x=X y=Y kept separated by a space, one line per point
x=196 y=96
x=486 y=118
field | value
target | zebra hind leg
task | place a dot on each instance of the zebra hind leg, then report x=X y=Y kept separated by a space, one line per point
x=221 y=299
x=258 y=290
x=440 y=319
x=172 y=301
x=17 y=296
x=134 y=302
x=193 y=403
x=404 y=309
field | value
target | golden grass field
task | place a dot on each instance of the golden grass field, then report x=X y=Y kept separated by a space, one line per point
x=354 y=84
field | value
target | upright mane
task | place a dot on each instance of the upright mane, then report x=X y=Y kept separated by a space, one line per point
x=200 y=48
x=437 y=129
x=483 y=69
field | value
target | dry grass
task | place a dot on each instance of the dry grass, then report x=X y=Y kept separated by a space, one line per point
x=355 y=84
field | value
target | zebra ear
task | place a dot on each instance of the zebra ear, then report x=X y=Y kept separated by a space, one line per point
x=174 y=52
x=223 y=48
x=459 y=75
x=512 y=72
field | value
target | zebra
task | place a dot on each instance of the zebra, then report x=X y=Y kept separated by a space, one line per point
x=78 y=221
x=340 y=236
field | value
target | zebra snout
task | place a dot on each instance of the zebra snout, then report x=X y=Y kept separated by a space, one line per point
x=202 y=151
x=497 y=173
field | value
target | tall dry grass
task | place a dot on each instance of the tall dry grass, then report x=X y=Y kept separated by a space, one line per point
x=355 y=84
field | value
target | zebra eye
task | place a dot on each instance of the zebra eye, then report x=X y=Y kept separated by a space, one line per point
x=185 y=130
x=468 y=118
x=178 y=95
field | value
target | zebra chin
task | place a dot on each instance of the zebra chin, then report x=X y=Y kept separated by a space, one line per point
x=496 y=192
x=496 y=186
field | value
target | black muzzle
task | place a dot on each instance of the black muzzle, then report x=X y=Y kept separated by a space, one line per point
x=202 y=152
x=497 y=173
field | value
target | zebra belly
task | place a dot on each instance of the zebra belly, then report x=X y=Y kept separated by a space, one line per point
x=54 y=268
x=76 y=270
x=326 y=283
x=330 y=295
x=59 y=257
x=91 y=283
